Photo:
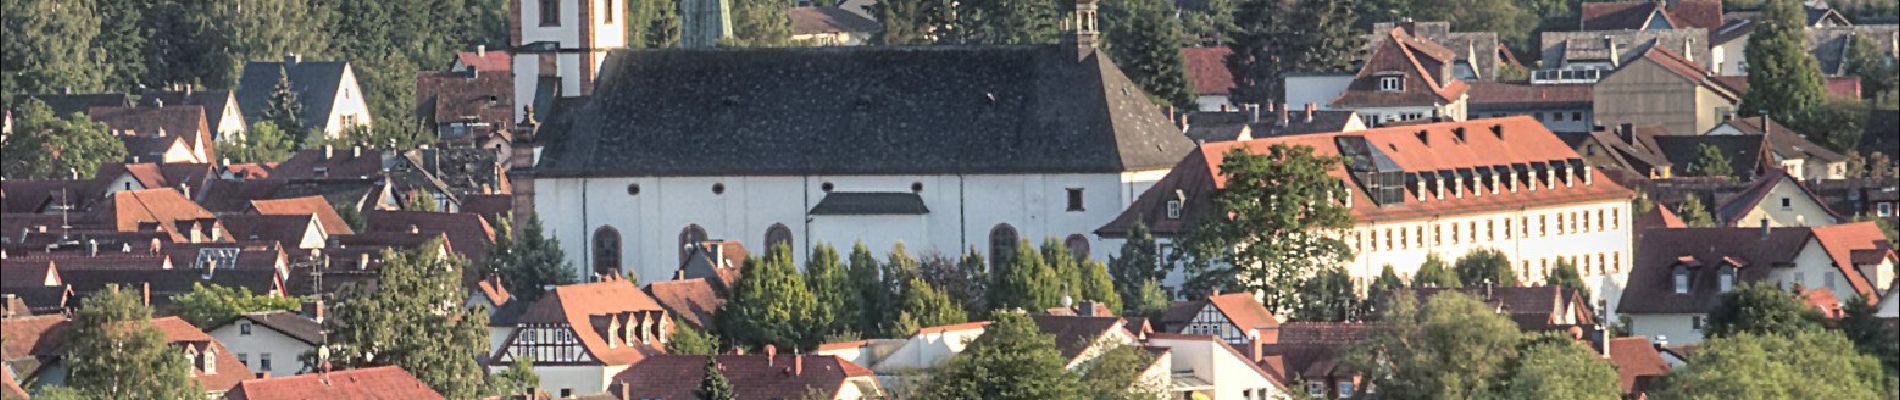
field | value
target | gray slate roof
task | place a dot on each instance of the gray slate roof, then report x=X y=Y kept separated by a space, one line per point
x=870 y=203
x=1743 y=151
x=67 y=104
x=1561 y=48
x=316 y=83
x=860 y=110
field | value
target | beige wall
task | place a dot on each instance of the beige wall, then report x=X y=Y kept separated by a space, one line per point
x=1645 y=92
x=1801 y=210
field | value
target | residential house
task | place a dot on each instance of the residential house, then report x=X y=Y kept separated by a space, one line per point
x=1478 y=55
x=222 y=113
x=316 y=206
x=991 y=155
x=468 y=108
x=484 y=60
x=1203 y=366
x=373 y=383
x=1679 y=275
x=1533 y=308
x=1748 y=155
x=1827 y=37
x=929 y=348
x=1865 y=197
x=692 y=301
x=581 y=336
x=1082 y=338
x=830 y=26
x=302 y=232
x=1563 y=107
x=166 y=134
x=1443 y=188
x=1237 y=318
x=1663 y=87
x=1650 y=15
x=1405 y=78
x=470 y=235
x=756 y=376
x=1254 y=122
x=37 y=346
x=330 y=98
x=1587 y=56
x=1627 y=153
x=1775 y=199
x=189 y=179
x=1831 y=46
x=1310 y=356
x=1213 y=82
x=270 y=342
x=1802 y=159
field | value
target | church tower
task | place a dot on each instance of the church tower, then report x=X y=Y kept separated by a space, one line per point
x=560 y=44
x=1079 y=31
x=704 y=22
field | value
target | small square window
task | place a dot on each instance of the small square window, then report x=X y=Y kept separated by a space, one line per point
x=1883 y=209
x=244 y=329
x=1174 y=209
x=1075 y=199
x=1391 y=83
x=1695 y=322
x=1576 y=116
x=1345 y=390
x=1316 y=389
x=1786 y=203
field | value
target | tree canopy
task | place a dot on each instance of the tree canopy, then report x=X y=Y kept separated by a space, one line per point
x=414 y=320
x=1562 y=369
x=1485 y=266
x=1282 y=227
x=1433 y=273
x=770 y=304
x=1144 y=39
x=209 y=304
x=47 y=146
x=1761 y=308
x=117 y=353
x=1776 y=366
x=1710 y=161
x=1784 y=80
x=529 y=261
x=1011 y=360
x=1454 y=347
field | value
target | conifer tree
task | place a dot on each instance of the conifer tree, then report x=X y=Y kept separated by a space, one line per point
x=1435 y=274
x=1711 y=162
x=760 y=23
x=770 y=304
x=910 y=22
x=687 y=340
x=1564 y=274
x=1144 y=39
x=872 y=300
x=1068 y=272
x=1096 y=285
x=1150 y=300
x=48 y=47
x=1784 y=80
x=1008 y=21
x=284 y=109
x=116 y=353
x=926 y=306
x=1012 y=360
x=528 y=260
x=122 y=43
x=713 y=384
x=414 y=320
x=831 y=287
x=1693 y=213
x=1136 y=264
x=1027 y=282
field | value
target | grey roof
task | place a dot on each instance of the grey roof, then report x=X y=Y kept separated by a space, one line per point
x=1561 y=48
x=213 y=102
x=1830 y=45
x=316 y=83
x=289 y=323
x=1482 y=45
x=870 y=203
x=67 y=104
x=1743 y=151
x=860 y=110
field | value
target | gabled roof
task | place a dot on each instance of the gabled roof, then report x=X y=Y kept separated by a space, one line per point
x=809 y=20
x=469 y=234
x=1651 y=287
x=693 y=301
x=374 y=383
x=1842 y=241
x=1244 y=311
x=1207 y=68
x=288 y=323
x=851 y=109
x=287 y=230
x=1532 y=308
x=577 y=305
x=1688 y=70
x=1786 y=143
x=1074 y=333
x=316 y=84
x=213 y=102
x=1830 y=45
x=1639 y=366
x=134 y=210
x=1484 y=46
x=487 y=60
x=1424 y=65
x=67 y=104
x=1746 y=153
x=184 y=121
x=36 y=336
x=307 y=205
x=1730 y=212
x=229 y=370
x=444 y=97
x=1602 y=16
x=753 y=376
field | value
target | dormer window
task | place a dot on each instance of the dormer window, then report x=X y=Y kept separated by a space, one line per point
x=1316 y=389
x=1345 y=390
x=1682 y=280
x=1725 y=280
x=210 y=360
x=1391 y=83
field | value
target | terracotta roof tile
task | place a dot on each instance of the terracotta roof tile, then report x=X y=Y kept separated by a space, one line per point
x=307 y=205
x=693 y=301
x=1602 y=16
x=576 y=305
x=1636 y=361
x=389 y=383
x=445 y=97
x=469 y=234
x=1842 y=240
x=1511 y=94
x=1244 y=310
x=43 y=335
x=754 y=377
x=229 y=369
x=494 y=290
x=1207 y=67
x=487 y=61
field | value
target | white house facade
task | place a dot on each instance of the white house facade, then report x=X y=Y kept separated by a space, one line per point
x=270 y=342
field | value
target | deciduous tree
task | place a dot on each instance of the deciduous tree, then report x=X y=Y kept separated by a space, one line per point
x=1455 y=347
x=1784 y=80
x=1281 y=225
x=1435 y=274
x=1562 y=369
x=1763 y=309
x=926 y=306
x=1116 y=375
x=1776 y=366
x=831 y=289
x=770 y=304
x=1564 y=274
x=116 y=353
x=206 y=305
x=1096 y=285
x=1484 y=266
x=414 y=320
x=46 y=146
x=687 y=340
x=1011 y=360
x=1710 y=161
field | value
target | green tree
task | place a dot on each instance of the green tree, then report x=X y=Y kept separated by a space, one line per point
x=1144 y=39
x=207 y=305
x=116 y=353
x=1116 y=375
x=1097 y=286
x=1150 y=301
x=831 y=289
x=1511 y=20
x=528 y=260
x=1784 y=80
x=1433 y=273
x=1007 y=21
x=872 y=300
x=1387 y=282
x=1136 y=265
x=1274 y=37
x=1871 y=334
x=1068 y=270
x=1207 y=22
x=1324 y=39
x=122 y=43
x=963 y=280
x=926 y=306
x=1453 y=348
x=1326 y=296
x=1838 y=124
x=1763 y=309
x=284 y=109
x=770 y=304
x=1879 y=75
x=48 y=47
x=414 y=320
x=687 y=340
x=1562 y=369
x=713 y=384
x=1283 y=226
x=45 y=146
x=907 y=22
x=1011 y=360
x=1711 y=162
x=264 y=142
x=664 y=30
x=1564 y=274
x=209 y=41
x=518 y=380
x=1026 y=282
x=1752 y=366
x=760 y=23
x=1693 y=213
x=1483 y=266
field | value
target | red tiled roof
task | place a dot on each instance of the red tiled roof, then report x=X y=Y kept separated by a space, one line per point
x=1517 y=94
x=168 y=209
x=1845 y=87
x=446 y=97
x=1517 y=140
x=755 y=376
x=1636 y=359
x=1207 y=67
x=1314 y=349
x=1681 y=14
x=1244 y=311
x=389 y=383
x=486 y=61
x=308 y=205
x=469 y=234
x=183 y=121
x=577 y=305
x=43 y=335
x=1423 y=65
x=493 y=290
x=1841 y=240
x=693 y=301
x=1823 y=300
x=229 y=370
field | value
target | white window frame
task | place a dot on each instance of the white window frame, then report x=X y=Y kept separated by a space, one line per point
x=1391 y=83
x=1883 y=209
x=1316 y=389
x=1345 y=389
x=1174 y=209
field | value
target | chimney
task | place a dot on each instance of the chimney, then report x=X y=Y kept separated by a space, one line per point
x=1283 y=115
x=158 y=103
x=1603 y=339
x=481 y=50
x=1627 y=132
x=1310 y=107
x=1764 y=122
x=356 y=151
x=92 y=247
x=145 y=291
x=1408 y=26
x=1615 y=56
x=328 y=151
x=1253 y=113
x=798 y=364
x=1224 y=108
x=1662 y=341
x=1688 y=46
x=318 y=311
x=184 y=188
x=291 y=60
x=1765 y=229
x=679 y=275
x=771 y=352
